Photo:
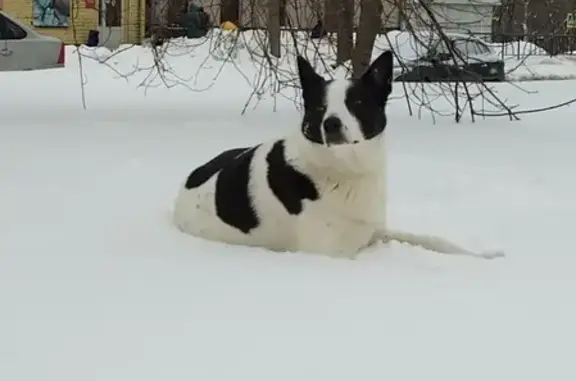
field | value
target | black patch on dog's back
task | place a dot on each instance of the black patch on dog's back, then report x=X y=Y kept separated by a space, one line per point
x=288 y=185
x=232 y=198
x=205 y=172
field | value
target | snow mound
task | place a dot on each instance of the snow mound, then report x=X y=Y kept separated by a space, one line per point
x=517 y=48
x=538 y=68
x=203 y=60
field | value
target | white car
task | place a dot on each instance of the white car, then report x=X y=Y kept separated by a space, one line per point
x=22 y=48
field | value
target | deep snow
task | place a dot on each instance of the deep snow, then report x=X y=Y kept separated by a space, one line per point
x=96 y=284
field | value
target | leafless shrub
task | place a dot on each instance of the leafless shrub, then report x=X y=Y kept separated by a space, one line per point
x=273 y=32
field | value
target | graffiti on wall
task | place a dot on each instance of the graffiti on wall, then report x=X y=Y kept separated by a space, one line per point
x=51 y=13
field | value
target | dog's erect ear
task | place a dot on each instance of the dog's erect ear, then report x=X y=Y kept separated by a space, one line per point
x=309 y=79
x=379 y=74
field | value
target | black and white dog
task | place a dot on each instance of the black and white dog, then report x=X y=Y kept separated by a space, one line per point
x=319 y=190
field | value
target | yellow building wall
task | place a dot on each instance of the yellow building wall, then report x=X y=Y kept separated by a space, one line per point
x=134 y=20
x=83 y=19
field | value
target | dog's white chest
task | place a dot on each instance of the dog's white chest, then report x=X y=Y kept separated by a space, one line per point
x=344 y=220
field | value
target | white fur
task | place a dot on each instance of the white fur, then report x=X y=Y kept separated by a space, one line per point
x=340 y=223
x=432 y=243
x=349 y=215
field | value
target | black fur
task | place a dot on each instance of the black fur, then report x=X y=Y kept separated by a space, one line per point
x=205 y=172
x=312 y=120
x=364 y=106
x=233 y=201
x=314 y=96
x=366 y=98
x=289 y=186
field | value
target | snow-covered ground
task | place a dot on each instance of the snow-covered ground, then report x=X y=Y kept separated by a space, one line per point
x=527 y=62
x=524 y=61
x=96 y=284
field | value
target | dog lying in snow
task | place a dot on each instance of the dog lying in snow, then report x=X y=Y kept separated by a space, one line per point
x=320 y=190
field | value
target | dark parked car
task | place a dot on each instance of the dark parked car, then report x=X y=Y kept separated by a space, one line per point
x=478 y=63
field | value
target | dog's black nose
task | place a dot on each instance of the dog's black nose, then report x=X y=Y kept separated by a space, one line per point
x=332 y=125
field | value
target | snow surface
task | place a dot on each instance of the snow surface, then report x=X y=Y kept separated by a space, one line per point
x=96 y=284
x=524 y=61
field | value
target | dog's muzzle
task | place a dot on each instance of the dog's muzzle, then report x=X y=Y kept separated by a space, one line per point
x=334 y=132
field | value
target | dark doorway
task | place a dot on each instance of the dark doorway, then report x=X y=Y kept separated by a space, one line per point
x=230 y=11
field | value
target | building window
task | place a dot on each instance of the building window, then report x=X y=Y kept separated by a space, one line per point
x=111 y=13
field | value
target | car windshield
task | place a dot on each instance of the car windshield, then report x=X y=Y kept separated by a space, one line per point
x=438 y=48
x=470 y=47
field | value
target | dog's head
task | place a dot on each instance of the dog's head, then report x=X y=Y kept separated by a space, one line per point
x=345 y=111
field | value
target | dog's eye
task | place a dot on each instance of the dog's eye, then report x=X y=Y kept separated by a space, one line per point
x=322 y=108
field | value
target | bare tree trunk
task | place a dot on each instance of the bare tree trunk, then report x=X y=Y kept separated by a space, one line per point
x=160 y=14
x=511 y=22
x=345 y=31
x=331 y=15
x=525 y=15
x=274 y=27
x=370 y=24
